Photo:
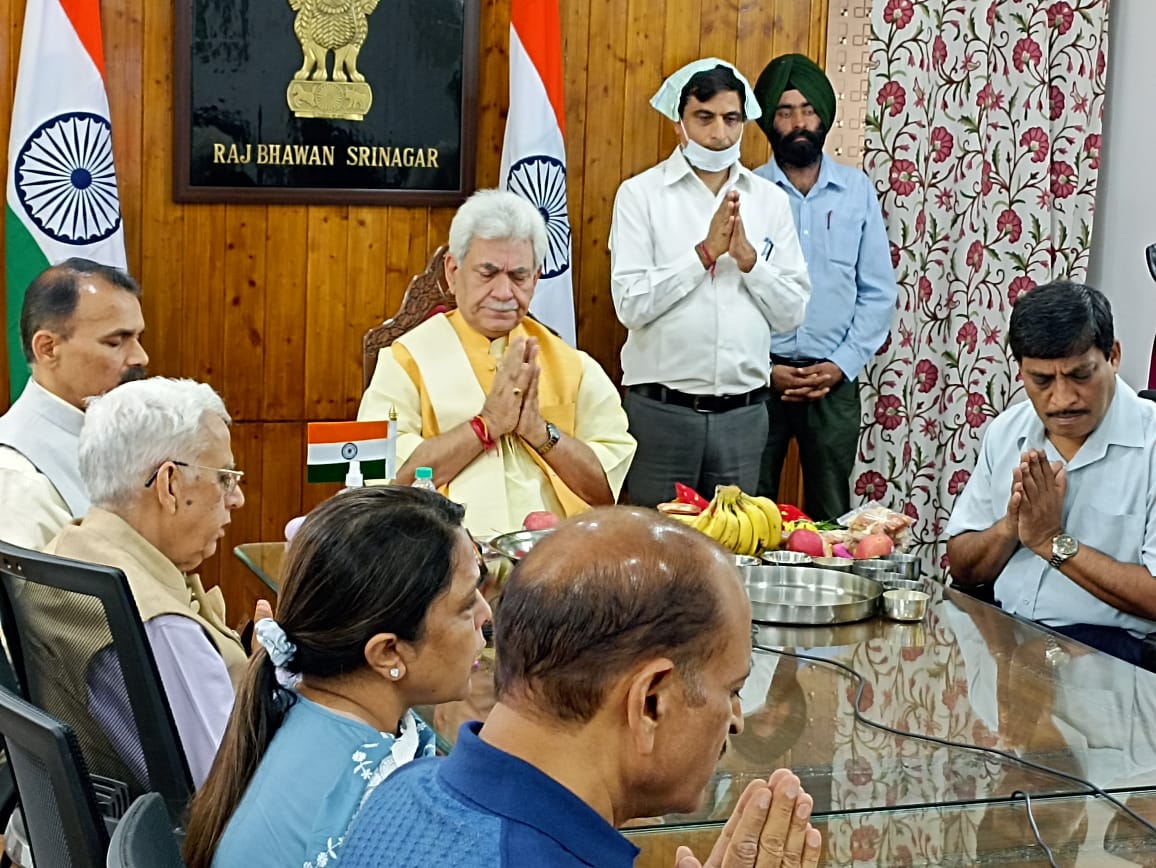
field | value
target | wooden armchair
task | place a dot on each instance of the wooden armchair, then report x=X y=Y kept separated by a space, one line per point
x=427 y=294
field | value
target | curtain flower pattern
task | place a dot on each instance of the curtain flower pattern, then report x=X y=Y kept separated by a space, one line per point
x=983 y=142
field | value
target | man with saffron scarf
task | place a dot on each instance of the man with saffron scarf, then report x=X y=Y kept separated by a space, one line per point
x=510 y=418
x=815 y=393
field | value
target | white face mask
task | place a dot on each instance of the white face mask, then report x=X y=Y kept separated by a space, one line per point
x=707 y=160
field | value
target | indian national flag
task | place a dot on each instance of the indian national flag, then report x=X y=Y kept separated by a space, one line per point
x=62 y=197
x=332 y=445
x=533 y=152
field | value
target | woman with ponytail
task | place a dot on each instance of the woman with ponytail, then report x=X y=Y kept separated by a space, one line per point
x=379 y=611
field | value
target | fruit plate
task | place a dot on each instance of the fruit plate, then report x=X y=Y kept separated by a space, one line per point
x=805 y=595
x=517 y=545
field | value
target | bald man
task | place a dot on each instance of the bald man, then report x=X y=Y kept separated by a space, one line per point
x=623 y=639
x=814 y=368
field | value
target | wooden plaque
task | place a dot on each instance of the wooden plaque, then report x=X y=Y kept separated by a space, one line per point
x=325 y=101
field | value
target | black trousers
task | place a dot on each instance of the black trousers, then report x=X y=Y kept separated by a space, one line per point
x=1111 y=640
x=827 y=432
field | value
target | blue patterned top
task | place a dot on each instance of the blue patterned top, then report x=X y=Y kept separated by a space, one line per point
x=318 y=770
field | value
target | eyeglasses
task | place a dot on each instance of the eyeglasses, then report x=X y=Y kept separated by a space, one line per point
x=226 y=478
x=480 y=557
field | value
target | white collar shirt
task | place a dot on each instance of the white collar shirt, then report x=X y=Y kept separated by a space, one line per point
x=1109 y=505
x=689 y=329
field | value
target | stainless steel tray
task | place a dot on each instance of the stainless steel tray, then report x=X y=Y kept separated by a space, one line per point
x=805 y=595
x=517 y=545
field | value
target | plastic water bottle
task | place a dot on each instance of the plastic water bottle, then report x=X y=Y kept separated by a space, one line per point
x=423 y=478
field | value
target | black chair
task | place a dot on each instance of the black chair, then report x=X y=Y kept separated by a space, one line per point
x=64 y=827
x=102 y=597
x=144 y=837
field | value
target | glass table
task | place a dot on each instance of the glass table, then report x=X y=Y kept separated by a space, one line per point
x=968 y=673
x=265 y=559
x=1079 y=830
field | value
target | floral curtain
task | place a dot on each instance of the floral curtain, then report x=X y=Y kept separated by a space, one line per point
x=983 y=141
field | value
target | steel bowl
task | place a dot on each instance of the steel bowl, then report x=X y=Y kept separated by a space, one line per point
x=905 y=605
x=746 y=561
x=787 y=559
x=904 y=585
x=843 y=565
x=875 y=569
x=517 y=545
x=911 y=566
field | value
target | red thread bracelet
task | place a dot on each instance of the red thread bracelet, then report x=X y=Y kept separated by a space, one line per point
x=478 y=424
x=708 y=261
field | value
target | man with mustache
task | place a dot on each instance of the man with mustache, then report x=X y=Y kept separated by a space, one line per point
x=815 y=393
x=510 y=418
x=80 y=327
x=1060 y=511
x=704 y=264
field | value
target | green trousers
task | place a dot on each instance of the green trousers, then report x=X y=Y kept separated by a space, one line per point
x=827 y=432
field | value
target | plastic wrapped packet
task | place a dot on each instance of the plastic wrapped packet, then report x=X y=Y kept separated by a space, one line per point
x=876 y=518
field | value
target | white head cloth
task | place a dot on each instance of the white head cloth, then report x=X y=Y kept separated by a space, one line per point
x=668 y=96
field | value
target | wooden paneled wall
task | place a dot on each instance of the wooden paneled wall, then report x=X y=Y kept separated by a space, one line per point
x=269 y=303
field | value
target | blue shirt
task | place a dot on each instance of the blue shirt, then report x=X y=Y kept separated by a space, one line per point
x=1109 y=505
x=318 y=769
x=480 y=808
x=853 y=290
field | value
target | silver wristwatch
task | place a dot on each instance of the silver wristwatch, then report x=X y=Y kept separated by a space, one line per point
x=1063 y=547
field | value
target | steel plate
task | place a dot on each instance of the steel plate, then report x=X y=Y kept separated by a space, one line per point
x=517 y=545
x=805 y=595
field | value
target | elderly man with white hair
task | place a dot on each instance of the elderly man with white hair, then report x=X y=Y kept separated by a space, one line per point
x=510 y=418
x=156 y=458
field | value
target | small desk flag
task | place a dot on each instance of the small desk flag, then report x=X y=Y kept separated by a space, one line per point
x=333 y=445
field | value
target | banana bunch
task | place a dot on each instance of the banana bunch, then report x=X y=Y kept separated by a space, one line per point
x=746 y=525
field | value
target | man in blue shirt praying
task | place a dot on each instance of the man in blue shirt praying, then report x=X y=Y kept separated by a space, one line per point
x=1060 y=510
x=814 y=390
x=622 y=639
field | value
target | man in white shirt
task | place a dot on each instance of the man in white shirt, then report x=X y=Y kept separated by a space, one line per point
x=1060 y=511
x=80 y=327
x=705 y=263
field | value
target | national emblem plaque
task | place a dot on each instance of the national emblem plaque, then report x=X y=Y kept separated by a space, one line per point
x=327 y=101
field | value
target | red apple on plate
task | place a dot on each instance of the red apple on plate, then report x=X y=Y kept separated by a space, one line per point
x=806 y=541
x=540 y=520
x=875 y=545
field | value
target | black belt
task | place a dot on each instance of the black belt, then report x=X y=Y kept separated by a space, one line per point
x=700 y=403
x=794 y=363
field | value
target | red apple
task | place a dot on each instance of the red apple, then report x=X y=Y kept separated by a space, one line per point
x=806 y=541
x=540 y=520
x=874 y=546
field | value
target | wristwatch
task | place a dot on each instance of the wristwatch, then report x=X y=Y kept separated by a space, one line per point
x=1054 y=653
x=1063 y=547
x=553 y=435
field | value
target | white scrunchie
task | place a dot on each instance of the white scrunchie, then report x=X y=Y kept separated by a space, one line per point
x=274 y=641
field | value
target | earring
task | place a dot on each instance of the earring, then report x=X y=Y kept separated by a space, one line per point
x=395 y=673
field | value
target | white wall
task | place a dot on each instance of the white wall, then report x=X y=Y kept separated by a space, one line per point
x=1125 y=221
